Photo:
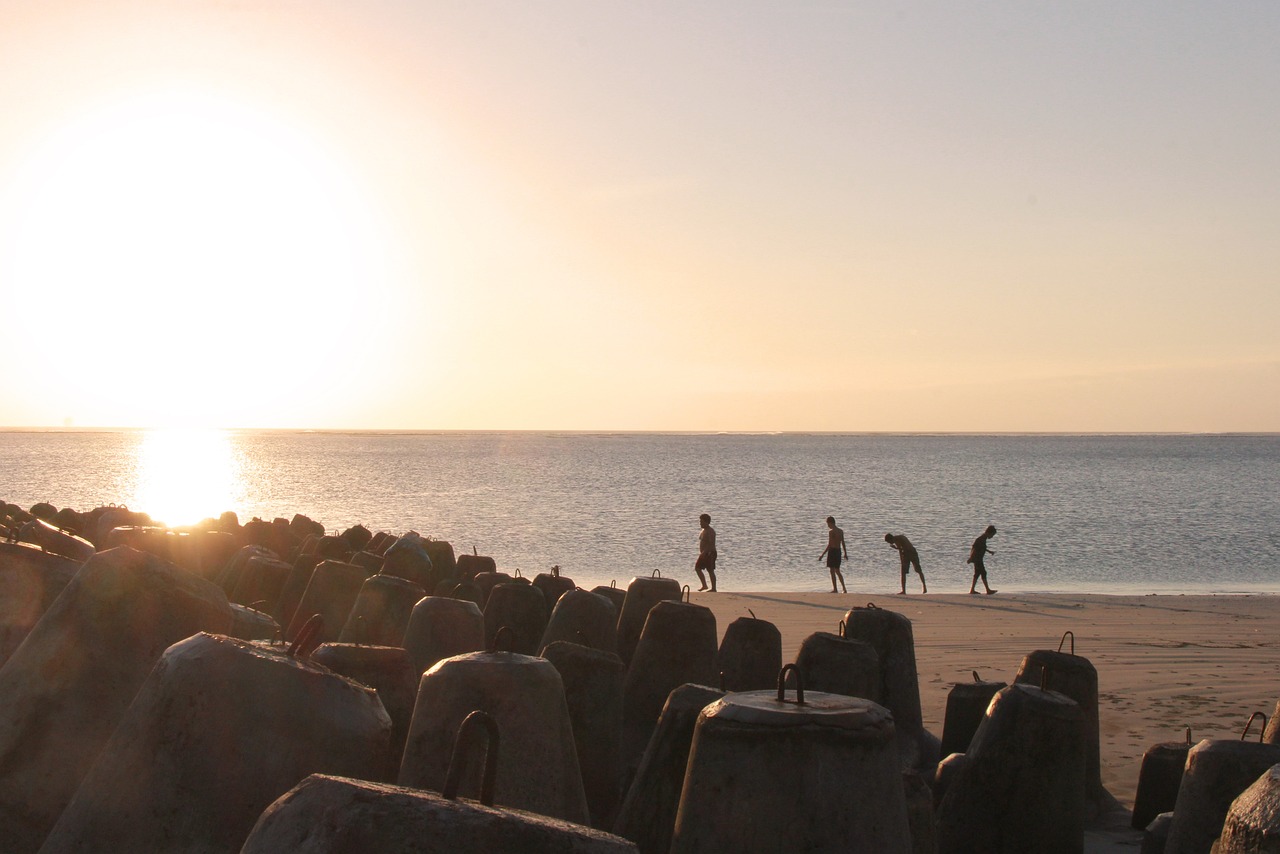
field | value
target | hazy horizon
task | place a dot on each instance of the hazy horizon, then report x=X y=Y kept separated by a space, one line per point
x=875 y=218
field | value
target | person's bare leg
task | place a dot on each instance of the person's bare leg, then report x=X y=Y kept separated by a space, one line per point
x=712 y=573
x=702 y=579
x=840 y=575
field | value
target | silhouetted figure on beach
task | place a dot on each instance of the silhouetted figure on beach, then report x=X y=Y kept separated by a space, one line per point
x=977 y=552
x=910 y=558
x=835 y=544
x=706 y=553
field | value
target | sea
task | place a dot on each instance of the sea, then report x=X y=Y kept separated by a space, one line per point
x=1124 y=514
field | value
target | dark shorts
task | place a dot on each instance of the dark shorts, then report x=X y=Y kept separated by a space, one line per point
x=908 y=559
x=706 y=562
x=833 y=558
x=979 y=568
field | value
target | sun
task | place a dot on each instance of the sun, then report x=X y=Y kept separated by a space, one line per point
x=186 y=238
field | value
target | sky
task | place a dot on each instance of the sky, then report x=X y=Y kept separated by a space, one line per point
x=872 y=216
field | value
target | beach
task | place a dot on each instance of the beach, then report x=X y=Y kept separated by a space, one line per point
x=1164 y=662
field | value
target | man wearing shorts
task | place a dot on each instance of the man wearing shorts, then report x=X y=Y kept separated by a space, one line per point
x=977 y=552
x=706 y=553
x=910 y=558
x=835 y=543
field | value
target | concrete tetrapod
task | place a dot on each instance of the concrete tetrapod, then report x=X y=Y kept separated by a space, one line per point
x=836 y=665
x=68 y=685
x=381 y=611
x=642 y=595
x=678 y=645
x=294 y=586
x=1075 y=676
x=648 y=813
x=30 y=580
x=891 y=636
x=442 y=627
x=553 y=585
x=1217 y=772
x=613 y=594
x=331 y=593
x=520 y=607
x=1159 y=778
x=1020 y=787
x=261 y=582
x=585 y=618
x=1253 y=821
x=750 y=655
x=593 y=692
x=219 y=730
x=966 y=707
x=538 y=769
x=234 y=570
x=816 y=773
x=387 y=670
x=251 y=624
x=334 y=815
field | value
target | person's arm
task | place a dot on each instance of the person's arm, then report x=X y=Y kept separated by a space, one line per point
x=824 y=552
x=844 y=546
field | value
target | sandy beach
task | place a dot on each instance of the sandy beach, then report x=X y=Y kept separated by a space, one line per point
x=1164 y=662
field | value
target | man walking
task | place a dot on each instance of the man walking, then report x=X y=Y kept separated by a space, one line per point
x=835 y=544
x=909 y=557
x=977 y=552
x=706 y=553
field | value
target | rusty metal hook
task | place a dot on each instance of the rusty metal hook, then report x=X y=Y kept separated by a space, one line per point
x=753 y=614
x=1250 y=723
x=975 y=676
x=872 y=606
x=1044 y=677
x=555 y=571
x=657 y=573
x=782 y=683
x=685 y=593
x=614 y=584
x=722 y=688
x=254 y=605
x=517 y=575
x=1064 y=640
x=504 y=640
x=1188 y=735
x=841 y=628
x=457 y=762
x=308 y=638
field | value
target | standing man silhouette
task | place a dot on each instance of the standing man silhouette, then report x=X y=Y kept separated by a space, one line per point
x=910 y=558
x=706 y=552
x=835 y=543
x=977 y=552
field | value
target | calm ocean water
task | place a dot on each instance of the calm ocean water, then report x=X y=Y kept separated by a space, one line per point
x=1115 y=514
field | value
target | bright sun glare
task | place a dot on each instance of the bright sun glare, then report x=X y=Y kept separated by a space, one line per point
x=184 y=239
x=184 y=476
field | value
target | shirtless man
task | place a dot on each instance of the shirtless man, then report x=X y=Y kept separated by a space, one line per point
x=910 y=558
x=835 y=544
x=977 y=552
x=706 y=553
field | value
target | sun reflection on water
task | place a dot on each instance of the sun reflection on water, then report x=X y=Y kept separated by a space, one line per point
x=185 y=475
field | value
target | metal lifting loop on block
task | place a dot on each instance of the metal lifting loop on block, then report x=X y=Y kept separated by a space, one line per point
x=504 y=640
x=555 y=571
x=1064 y=640
x=1261 y=732
x=753 y=614
x=614 y=584
x=685 y=593
x=840 y=628
x=1188 y=735
x=872 y=606
x=517 y=575
x=782 y=684
x=722 y=688
x=657 y=573
x=975 y=676
x=458 y=761
x=308 y=638
x=256 y=605
x=1044 y=678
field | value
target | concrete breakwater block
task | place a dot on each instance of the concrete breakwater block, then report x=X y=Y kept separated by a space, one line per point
x=890 y=635
x=331 y=593
x=613 y=593
x=219 y=730
x=538 y=769
x=750 y=655
x=521 y=608
x=678 y=645
x=234 y=570
x=967 y=704
x=1075 y=676
x=381 y=611
x=593 y=692
x=1159 y=778
x=30 y=580
x=52 y=539
x=553 y=585
x=583 y=618
x=1253 y=821
x=262 y=581
x=387 y=670
x=329 y=815
x=251 y=624
x=920 y=818
x=407 y=558
x=294 y=586
x=1217 y=772
x=441 y=627
x=648 y=813
x=767 y=774
x=837 y=665
x=1021 y=785
x=642 y=595
x=67 y=687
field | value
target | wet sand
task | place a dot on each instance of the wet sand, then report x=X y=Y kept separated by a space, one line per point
x=1164 y=662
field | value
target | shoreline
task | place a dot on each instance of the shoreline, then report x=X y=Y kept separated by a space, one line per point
x=1164 y=662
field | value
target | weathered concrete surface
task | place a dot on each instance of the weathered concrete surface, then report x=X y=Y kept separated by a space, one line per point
x=642 y=595
x=331 y=593
x=381 y=611
x=583 y=618
x=1075 y=676
x=327 y=815
x=30 y=580
x=519 y=607
x=1253 y=821
x=68 y=685
x=839 y=665
x=441 y=627
x=387 y=670
x=219 y=730
x=750 y=655
x=1217 y=772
